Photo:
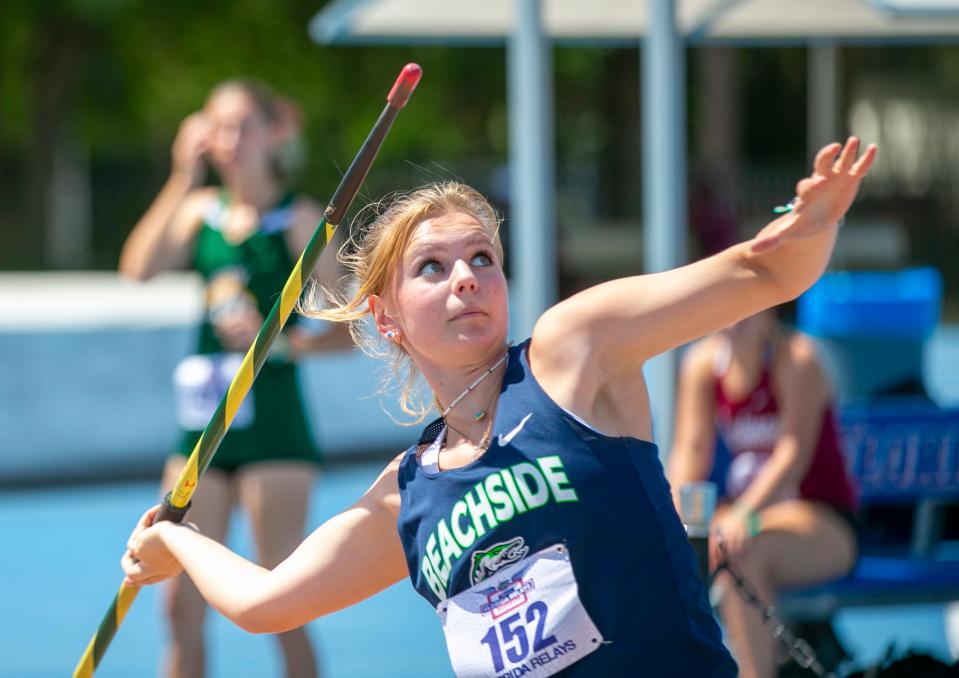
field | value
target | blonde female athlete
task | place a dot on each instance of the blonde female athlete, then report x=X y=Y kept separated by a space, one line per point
x=534 y=513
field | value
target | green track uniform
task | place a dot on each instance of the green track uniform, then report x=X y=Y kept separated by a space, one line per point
x=270 y=425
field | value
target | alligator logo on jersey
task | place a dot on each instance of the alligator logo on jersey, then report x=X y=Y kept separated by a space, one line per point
x=486 y=563
x=498 y=498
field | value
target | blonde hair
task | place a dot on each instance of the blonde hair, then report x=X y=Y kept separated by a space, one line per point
x=373 y=257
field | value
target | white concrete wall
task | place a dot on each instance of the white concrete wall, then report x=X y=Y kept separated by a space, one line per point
x=85 y=377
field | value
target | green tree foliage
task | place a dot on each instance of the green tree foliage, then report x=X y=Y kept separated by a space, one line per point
x=106 y=82
x=115 y=77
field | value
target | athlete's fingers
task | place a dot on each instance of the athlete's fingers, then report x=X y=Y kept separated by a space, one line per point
x=865 y=162
x=824 y=159
x=145 y=521
x=848 y=155
x=803 y=186
x=132 y=568
x=715 y=549
x=149 y=516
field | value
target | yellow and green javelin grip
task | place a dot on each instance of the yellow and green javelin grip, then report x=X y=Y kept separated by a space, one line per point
x=177 y=502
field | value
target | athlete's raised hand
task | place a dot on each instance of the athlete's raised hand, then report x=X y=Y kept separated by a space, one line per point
x=822 y=198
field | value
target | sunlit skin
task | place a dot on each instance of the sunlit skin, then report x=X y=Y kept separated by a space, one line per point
x=448 y=303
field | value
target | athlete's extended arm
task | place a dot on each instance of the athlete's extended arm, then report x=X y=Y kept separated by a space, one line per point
x=619 y=324
x=347 y=559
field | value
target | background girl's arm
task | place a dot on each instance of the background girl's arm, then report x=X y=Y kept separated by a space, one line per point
x=694 y=437
x=307 y=215
x=162 y=239
x=347 y=559
x=328 y=272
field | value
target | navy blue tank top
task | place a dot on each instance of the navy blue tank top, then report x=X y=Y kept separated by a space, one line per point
x=547 y=479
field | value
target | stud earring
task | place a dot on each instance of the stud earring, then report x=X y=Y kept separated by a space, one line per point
x=391 y=335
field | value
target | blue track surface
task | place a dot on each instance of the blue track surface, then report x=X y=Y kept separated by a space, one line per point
x=60 y=571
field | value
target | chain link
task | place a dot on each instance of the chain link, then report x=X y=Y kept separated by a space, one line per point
x=801 y=652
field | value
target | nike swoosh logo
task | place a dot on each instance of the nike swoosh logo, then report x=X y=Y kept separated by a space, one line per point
x=504 y=439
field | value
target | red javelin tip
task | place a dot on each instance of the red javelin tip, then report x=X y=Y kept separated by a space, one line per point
x=405 y=84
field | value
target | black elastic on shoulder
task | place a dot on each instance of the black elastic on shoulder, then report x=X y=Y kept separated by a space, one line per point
x=431 y=432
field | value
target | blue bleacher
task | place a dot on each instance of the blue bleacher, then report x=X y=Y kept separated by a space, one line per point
x=899 y=453
x=902 y=452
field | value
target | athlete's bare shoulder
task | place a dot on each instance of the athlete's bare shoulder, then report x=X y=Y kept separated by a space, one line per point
x=385 y=490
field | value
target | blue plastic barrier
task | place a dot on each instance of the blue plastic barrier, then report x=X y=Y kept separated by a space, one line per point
x=872 y=328
x=902 y=304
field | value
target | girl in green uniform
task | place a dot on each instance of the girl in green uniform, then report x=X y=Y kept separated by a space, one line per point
x=243 y=239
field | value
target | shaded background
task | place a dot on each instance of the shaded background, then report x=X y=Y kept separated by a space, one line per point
x=93 y=91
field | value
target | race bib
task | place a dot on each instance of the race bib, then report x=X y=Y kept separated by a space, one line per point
x=525 y=620
x=200 y=382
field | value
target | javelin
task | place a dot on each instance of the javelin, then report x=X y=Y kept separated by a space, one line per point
x=177 y=502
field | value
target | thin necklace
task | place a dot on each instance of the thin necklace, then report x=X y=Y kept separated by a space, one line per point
x=482 y=413
x=478 y=416
x=481 y=445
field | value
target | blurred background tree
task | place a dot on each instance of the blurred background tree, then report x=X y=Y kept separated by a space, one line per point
x=92 y=92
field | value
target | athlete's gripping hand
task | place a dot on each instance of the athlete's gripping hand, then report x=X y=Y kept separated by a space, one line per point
x=147 y=559
x=822 y=198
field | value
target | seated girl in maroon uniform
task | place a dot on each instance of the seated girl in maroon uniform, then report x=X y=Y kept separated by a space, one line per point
x=788 y=515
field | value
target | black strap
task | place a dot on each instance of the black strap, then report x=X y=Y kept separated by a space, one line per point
x=429 y=436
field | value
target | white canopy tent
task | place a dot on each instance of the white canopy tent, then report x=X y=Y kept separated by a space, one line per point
x=446 y=21
x=528 y=27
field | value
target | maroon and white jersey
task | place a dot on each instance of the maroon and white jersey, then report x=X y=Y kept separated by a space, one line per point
x=750 y=427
